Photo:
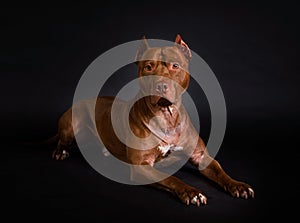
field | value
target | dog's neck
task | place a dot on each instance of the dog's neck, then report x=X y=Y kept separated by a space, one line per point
x=163 y=122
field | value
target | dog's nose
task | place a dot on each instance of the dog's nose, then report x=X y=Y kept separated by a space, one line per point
x=162 y=87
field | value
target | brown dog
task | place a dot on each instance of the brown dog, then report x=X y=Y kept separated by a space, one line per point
x=172 y=131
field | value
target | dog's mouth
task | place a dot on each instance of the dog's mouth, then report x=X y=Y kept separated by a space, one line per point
x=163 y=102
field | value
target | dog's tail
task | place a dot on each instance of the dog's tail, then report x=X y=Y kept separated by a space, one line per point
x=50 y=141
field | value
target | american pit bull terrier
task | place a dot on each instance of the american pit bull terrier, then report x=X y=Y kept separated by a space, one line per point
x=173 y=132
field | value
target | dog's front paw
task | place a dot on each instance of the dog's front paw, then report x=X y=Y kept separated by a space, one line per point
x=239 y=189
x=190 y=195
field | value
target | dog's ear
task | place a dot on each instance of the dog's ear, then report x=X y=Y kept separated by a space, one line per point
x=183 y=46
x=142 y=48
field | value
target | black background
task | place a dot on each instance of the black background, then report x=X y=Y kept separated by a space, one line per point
x=252 y=48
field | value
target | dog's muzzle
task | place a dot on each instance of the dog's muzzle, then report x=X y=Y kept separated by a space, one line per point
x=162 y=89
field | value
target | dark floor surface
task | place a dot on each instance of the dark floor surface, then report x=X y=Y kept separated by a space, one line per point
x=43 y=189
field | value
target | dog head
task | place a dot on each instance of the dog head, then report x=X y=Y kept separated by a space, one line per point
x=169 y=69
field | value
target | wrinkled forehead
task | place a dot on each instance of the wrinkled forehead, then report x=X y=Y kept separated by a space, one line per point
x=165 y=54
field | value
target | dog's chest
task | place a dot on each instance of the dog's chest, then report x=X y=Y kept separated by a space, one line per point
x=166 y=126
x=166 y=149
x=170 y=139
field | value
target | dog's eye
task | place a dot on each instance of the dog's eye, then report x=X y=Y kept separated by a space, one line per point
x=175 y=65
x=148 y=67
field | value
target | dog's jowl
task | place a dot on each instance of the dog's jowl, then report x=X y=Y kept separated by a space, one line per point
x=171 y=128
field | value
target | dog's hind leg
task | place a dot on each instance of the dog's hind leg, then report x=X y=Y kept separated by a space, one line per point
x=60 y=153
x=65 y=137
x=64 y=143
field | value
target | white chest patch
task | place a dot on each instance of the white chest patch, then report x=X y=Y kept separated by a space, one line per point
x=169 y=147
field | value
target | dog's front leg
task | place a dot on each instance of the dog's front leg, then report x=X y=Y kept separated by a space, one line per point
x=143 y=172
x=212 y=169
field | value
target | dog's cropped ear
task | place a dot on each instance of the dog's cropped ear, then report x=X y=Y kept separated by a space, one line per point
x=183 y=46
x=142 y=48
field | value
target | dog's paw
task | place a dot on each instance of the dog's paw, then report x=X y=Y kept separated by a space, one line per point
x=60 y=154
x=239 y=189
x=191 y=195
